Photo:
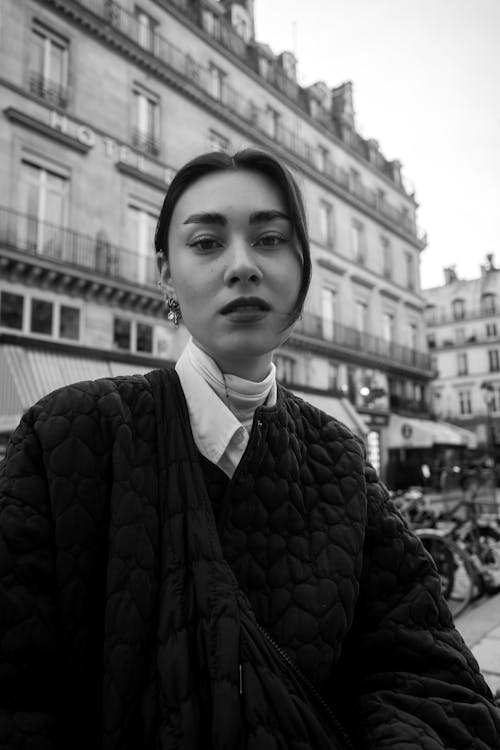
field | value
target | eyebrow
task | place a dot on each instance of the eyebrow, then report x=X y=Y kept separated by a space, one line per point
x=258 y=217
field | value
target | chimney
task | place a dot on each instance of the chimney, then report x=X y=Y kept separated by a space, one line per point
x=450 y=275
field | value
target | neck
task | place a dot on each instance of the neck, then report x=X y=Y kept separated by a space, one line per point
x=255 y=369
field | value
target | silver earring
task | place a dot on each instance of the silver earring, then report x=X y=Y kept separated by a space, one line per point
x=173 y=308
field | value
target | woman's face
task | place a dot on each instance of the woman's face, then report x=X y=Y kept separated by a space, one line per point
x=236 y=268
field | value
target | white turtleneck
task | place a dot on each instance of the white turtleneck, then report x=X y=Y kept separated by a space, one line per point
x=221 y=407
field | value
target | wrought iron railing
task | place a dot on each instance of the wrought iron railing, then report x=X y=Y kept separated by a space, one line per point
x=438 y=317
x=145 y=142
x=126 y=23
x=51 y=91
x=29 y=234
x=316 y=327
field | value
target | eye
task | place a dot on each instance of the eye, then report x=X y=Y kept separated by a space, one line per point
x=269 y=240
x=205 y=243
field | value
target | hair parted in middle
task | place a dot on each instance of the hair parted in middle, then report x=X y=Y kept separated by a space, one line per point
x=250 y=160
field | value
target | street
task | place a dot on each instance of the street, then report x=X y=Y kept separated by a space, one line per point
x=480 y=629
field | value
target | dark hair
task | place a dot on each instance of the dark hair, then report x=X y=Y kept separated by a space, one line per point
x=250 y=160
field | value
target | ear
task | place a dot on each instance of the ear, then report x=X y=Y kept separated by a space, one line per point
x=165 y=276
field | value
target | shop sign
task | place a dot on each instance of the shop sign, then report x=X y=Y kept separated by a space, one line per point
x=376 y=420
x=112 y=149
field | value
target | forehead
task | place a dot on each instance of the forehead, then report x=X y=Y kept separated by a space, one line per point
x=231 y=192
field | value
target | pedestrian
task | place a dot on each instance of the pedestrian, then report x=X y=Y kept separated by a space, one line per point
x=197 y=558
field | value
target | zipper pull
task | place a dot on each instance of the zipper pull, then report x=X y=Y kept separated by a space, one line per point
x=241 y=678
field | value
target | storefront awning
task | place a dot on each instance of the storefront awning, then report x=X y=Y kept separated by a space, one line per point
x=340 y=408
x=28 y=374
x=406 y=432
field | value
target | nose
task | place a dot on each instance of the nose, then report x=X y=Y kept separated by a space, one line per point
x=242 y=266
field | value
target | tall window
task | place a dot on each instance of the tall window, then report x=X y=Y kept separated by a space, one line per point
x=388 y=327
x=494 y=360
x=412 y=336
x=285 y=368
x=43 y=196
x=217 y=82
x=11 y=310
x=491 y=330
x=358 y=241
x=410 y=271
x=146 y=124
x=465 y=402
x=273 y=121
x=328 y=305
x=41 y=316
x=386 y=257
x=488 y=304
x=48 y=65
x=324 y=158
x=146 y=30
x=139 y=264
x=462 y=364
x=333 y=376
x=459 y=335
x=122 y=333
x=361 y=316
x=326 y=223
x=458 y=309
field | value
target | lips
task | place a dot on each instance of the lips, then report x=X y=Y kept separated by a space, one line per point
x=248 y=304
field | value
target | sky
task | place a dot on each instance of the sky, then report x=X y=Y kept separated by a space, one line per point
x=426 y=77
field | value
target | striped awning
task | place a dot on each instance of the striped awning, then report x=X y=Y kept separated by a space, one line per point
x=27 y=374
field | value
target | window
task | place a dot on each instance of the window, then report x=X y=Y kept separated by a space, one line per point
x=491 y=330
x=41 y=316
x=144 y=338
x=285 y=368
x=430 y=314
x=146 y=122
x=43 y=196
x=146 y=30
x=494 y=360
x=458 y=309
x=462 y=364
x=459 y=335
x=388 y=327
x=217 y=82
x=333 y=376
x=324 y=158
x=465 y=402
x=121 y=333
x=139 y=264
x=358 y=241
x=217 y=142
x=488 y=305
x=386 y=257
x=273 y=122
x=48 y=65
x=11 y=310
x=361 y=315
x=410 y=271
x=326 y=223
x=431 y=340
x=328 y=305
x=412 y=336
x=69 y=323
x=354 y=180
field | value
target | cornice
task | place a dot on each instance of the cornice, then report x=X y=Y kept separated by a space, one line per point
x=20 y=118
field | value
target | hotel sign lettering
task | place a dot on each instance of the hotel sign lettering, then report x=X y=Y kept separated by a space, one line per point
x=112 y=148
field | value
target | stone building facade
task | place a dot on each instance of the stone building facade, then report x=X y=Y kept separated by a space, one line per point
x=463 y=336
x=101 y=102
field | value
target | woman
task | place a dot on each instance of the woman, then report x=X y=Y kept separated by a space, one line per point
x=197 y=558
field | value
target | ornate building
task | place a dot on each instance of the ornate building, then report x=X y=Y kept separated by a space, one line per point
x=101 y=101
x=463 y=335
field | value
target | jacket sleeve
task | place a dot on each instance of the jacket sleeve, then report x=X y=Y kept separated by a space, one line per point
x=28 y=654
x=411 y=681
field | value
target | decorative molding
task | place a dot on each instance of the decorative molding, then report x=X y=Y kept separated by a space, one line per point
x=20 y=118
x=330 y=266
x=138 y=174
x=362 y=282
x=390 y=295
x=414 y=307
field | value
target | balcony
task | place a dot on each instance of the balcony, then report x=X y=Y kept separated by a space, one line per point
x=237 y=104
x=145 y=142
x=441 y=317
x=51 y=91
x=365 y=344
x=46 y=241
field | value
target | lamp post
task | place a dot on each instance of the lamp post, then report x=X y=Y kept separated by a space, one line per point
x=488 y=393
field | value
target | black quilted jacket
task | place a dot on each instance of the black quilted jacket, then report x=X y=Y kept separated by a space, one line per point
x=128 y=620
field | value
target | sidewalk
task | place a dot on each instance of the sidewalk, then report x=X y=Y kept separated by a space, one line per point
x=480 y=628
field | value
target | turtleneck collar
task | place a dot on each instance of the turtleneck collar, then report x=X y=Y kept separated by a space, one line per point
x=221 y=406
